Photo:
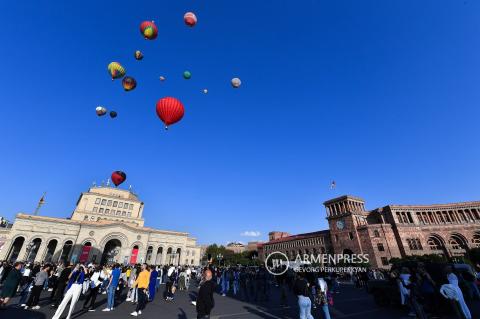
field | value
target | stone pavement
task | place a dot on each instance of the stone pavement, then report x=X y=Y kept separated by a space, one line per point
x=351 y=303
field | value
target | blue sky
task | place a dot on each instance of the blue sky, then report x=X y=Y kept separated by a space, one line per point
x=380 y=96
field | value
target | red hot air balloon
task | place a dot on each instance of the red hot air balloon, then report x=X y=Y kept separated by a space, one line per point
x=118 y=177
x=190 y=19
x=149 y=30
x=170 y=110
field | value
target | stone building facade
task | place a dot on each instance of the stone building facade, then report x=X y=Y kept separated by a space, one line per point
x=293 y=245
x=237 y=248
x=106 y=226
x=396 y=230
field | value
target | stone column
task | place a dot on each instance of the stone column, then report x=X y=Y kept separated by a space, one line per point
x=41 y=251
x=22 y=256
x=6 y=249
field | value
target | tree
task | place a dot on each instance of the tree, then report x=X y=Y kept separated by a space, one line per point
x=229 y=258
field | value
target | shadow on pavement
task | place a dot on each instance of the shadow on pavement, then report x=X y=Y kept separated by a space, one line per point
x=260 y=314
x=18 y=313
x=182 y=314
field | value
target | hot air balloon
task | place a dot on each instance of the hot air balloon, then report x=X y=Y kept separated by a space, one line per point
x=190 y=19
x=116 y=70
x=113 y=114
x=170 y=110
x=149 y=30
x=187 y=75
x=129 y=83
x=205 y=91
x=162 y=78
x=100 y=110
x=138 y=55
x=118 y=177
x=236 y=82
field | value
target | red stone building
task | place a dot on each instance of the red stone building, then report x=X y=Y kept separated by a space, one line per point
x=389 y=231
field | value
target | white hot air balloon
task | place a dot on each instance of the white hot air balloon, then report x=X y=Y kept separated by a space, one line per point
x=205 y=91
x=236 y=82
x=101 y=111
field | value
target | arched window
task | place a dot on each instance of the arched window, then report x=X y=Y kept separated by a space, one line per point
x=457 y=242
x=476 y=240
x=435 y=243
x=376 y=233
x=149 y=253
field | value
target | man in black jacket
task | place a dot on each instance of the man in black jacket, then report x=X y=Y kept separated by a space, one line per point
x=205 y=301
x=62 y=281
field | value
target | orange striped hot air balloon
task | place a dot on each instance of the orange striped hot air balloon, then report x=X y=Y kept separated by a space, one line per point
x=149 y=30
x=116 y=70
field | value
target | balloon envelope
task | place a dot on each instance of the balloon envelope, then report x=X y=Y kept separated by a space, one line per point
x=100 y=110
x=187 y=75
x=190 y=19
x=129 y=83
x=118 y=177
x=138 y=55
x=170 y=110
x=149 y=30
x=116 y=70
x=236 y=82
x=162 y=78
x=113 y=114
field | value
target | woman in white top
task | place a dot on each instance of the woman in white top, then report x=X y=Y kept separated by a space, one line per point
x=323 y=296
x=96 y=280
x=453 y=280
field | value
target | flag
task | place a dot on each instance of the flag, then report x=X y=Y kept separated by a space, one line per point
x=333 y=185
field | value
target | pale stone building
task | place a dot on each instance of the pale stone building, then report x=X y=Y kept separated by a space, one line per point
x=237 y=248
x=107 y=225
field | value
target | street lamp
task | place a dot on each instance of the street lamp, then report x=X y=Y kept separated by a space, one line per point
x=254 y=259
x=219 y=258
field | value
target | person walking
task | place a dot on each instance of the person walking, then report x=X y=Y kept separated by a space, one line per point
x=59 y=289
x=95 y=282
x=322 y=296
x=112 y=287
x=74 y=287
x=236 y=281
x=141 y=283
x=301 y=290
x=152 y=286
x=205 y=301
x=38 y=284
x=10 y=284
x=244 y=282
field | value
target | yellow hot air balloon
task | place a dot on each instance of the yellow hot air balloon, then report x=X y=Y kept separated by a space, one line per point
x=116 y=70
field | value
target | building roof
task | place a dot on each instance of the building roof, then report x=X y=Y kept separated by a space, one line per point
x=434 y=206
x=99 y=223
x=342 y=198
x=298 y=236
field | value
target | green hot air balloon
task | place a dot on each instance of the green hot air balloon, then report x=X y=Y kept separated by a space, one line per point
x=187 y=75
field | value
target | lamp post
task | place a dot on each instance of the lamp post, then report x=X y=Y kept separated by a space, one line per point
x=254 y=259
x=219 y=258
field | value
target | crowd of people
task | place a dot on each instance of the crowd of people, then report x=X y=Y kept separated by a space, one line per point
x=65 y=284
x=423 y=295
x=140 y=284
